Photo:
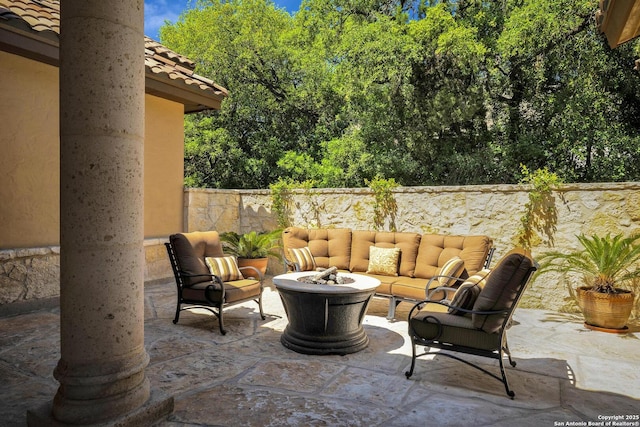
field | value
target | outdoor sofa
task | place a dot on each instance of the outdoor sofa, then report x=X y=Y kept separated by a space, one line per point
x=404 y=262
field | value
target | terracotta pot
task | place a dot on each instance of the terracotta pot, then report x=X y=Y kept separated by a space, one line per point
x=609 y=311
x=259 y=263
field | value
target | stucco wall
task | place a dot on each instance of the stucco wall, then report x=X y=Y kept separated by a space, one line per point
x=30 y=147
x=163 y=167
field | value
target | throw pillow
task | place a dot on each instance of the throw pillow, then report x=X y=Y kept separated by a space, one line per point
x=466 y=295
x=303 y=257
x=224 y=267
x=452 y=268
x=383 y=261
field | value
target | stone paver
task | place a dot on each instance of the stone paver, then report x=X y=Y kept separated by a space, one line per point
x=565 y=372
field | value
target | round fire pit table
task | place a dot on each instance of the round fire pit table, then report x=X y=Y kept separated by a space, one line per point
x=325 y=319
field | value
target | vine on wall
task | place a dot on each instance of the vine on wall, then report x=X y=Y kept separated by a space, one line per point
x=541 y=215
x=282 y=200
x=385 y=206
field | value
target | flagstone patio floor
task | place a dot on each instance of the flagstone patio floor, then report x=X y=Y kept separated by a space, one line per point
x=565 y=374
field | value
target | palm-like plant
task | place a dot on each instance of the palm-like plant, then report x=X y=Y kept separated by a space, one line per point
x=606 y=262
x=253 y=244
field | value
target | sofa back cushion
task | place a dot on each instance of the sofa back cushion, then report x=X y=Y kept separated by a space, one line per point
x=330 y=247
x=436 y=249
x=191 y=249
x=407 y=243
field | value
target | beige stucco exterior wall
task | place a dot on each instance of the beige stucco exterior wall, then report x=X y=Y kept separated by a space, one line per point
x=30 y=180
x=163 y=167
x=30 y=147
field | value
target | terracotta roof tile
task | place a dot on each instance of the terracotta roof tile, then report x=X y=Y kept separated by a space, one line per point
x=43 y=17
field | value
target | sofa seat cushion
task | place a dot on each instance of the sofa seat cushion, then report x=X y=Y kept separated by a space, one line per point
x=411 y=288
x=385 y=282
x=330 y=247
x=459 y=330
x=436 y=249
x=361 y=241
x=191 y=250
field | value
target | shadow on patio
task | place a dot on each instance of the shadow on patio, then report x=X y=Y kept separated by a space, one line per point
x=247 y=378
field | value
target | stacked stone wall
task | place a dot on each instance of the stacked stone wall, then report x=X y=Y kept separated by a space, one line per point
x=495 y=210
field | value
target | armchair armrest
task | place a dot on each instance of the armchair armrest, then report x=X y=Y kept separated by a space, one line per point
x=430 y=292
x=253 y=270
x=418 y=306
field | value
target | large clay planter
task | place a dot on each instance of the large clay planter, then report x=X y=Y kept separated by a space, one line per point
x=259 y=263
x=606 y=311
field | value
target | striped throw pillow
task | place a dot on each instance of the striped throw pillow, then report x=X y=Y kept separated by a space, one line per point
x=303 y=257
x=454 y=268
x=466 y=295
x=224 y=267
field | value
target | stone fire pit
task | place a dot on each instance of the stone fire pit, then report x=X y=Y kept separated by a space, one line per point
x=325 y=318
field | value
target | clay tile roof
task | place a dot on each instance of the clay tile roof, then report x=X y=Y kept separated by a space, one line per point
x=169 y=74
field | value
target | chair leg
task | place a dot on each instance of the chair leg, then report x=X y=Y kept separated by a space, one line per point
x=510 y=392
x=413 y=359
x=259 y=301
x=506 y=350
x=220 y=322
x=177 y=316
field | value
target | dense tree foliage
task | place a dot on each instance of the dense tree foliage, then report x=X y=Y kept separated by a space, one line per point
x=426 y=92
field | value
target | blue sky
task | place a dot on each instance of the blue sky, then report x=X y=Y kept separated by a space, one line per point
x=158 y=11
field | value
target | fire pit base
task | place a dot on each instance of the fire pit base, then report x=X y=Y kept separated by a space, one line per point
x=325 y=319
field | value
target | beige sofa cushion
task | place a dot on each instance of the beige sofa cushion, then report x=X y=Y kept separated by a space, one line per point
x=436 y=249
x=330 y=247
x=407 y=243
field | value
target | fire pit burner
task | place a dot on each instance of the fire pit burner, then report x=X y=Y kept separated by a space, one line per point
x=329 y=276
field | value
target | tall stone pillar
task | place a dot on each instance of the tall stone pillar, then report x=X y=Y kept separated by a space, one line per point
x=103 y=359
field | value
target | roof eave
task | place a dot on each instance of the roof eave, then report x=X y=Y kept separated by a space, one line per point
x=29 y=45
x=619 y=20
x=193 y=98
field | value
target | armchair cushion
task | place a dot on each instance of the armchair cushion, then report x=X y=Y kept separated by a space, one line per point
x=501 y=289
x=383 y=261
x=224 y=267
x=303 y=257
x=191 y=250
x=467 y=293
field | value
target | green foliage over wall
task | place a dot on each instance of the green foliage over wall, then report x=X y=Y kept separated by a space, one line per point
x=426 y=92
x=385 y=207
x=540 y=213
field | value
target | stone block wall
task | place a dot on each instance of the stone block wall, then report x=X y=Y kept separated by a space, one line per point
x=494 y=210
x=30 y=277
x=33 y=274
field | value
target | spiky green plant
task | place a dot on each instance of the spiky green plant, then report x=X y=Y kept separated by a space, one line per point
x=253 y=244
x=606 y=262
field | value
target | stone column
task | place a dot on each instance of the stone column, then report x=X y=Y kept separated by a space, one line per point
x=103 y=359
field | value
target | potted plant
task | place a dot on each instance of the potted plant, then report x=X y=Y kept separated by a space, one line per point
x=607 y=264
x=253 y=248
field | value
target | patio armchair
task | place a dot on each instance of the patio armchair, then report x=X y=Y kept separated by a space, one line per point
x=194 y=256
x=476 y=319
